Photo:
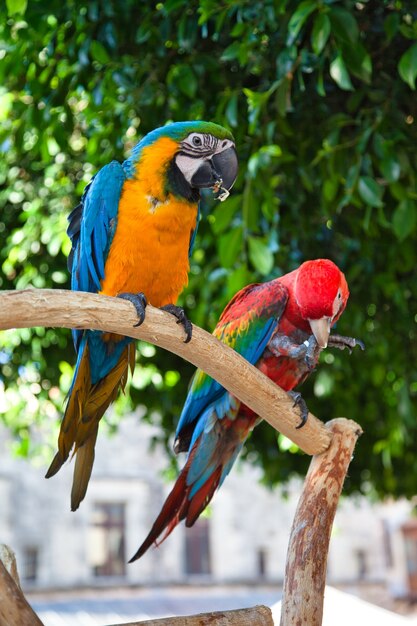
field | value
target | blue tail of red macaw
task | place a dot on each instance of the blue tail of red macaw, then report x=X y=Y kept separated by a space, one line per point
x=213 y=426
x=213 y=451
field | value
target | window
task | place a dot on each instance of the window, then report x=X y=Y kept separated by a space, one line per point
x=107 y=539
x=261 y=562
x=362 y=561
x=30 y=564
x=197 y=548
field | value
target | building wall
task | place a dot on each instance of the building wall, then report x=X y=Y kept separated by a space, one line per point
x=248 y=525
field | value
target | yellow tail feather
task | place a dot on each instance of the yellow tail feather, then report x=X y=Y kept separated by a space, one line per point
x=86 y=406
x=82 y=470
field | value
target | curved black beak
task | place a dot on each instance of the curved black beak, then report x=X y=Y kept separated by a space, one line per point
x=220 y=171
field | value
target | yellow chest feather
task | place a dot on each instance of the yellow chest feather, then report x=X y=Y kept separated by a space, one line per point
x=149 y=252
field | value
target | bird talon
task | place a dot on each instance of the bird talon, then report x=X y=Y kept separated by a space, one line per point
x=341 y=342
x=182 y=319
x=299 y=401
x=139 y=301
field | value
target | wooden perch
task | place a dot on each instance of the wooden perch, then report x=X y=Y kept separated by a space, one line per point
x=14 y=608
x=68 y=309
x=254 y=616
x=305 y=573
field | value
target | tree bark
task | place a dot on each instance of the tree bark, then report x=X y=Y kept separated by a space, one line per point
x=69 y=309
x=305 y=573
x=7 y=557
x=254 y=616
x=14 y=608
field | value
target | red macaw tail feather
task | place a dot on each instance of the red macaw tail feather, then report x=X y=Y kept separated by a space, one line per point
x=180 y=505
x=200 y=500
x=169 y=516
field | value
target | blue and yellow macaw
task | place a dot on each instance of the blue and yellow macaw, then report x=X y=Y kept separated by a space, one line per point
x=131 y=236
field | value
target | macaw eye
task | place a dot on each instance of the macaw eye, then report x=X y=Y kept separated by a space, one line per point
x=197 y=141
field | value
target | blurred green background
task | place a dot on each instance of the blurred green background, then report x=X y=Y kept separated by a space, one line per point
x=320 y=96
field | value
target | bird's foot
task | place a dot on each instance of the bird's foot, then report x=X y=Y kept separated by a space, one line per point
x=300 y=402
x=341 y=342
x=139 y=301
x=312 y=353
x=179 y=313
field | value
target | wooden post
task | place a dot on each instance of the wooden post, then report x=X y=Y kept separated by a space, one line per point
x=305 y=573
x=14 y=608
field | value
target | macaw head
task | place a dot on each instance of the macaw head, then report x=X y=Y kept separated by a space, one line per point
x=321 y=293
x=184 y=157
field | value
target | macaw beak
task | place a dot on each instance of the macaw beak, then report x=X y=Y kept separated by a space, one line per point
x=219 y=171
x=321 y=330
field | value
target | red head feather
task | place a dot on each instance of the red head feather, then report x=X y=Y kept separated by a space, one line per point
x=320 y=290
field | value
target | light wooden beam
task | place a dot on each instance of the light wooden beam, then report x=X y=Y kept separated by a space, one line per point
x=253 y=616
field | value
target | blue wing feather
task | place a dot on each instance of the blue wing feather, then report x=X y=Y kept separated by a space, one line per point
x=212 y=391
x=194 y=232
x=91 y=228
x=206 y=394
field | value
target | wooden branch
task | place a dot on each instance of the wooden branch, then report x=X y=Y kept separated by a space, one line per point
x=36 y=307
x=14 y=608
x=305 y=573
x=7 y=557
x=257 y=615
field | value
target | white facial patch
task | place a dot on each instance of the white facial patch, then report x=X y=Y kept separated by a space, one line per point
x=187 y=166
x=223 y=145
x=337 y=304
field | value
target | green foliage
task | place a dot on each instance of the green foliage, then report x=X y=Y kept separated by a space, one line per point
x=320 y=97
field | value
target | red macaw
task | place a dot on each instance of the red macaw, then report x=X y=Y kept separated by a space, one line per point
x=281 y=327
x=131 y=236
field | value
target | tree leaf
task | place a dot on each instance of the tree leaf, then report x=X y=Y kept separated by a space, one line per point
x=344 y=25
x=320 y=32
x=224 y=212
x=229 y=246
x=231 y=110
x=260 y=255
x=236 y=280
x=407 y=67
x=99 y=52
x=283 y=96
x=391 y=25
x=298 y=18
x=357 y=60
x=390 y=169
x=370 y=191
x=340 y=74
x=16 y=6
x=231 y=52
x=404 y=219
x=183 y=77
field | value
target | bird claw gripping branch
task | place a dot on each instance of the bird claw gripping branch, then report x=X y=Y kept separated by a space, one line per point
x=139 y=302
x=179 y=313
x=301 y=403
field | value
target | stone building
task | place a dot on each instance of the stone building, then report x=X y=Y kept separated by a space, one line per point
x=243 y=539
